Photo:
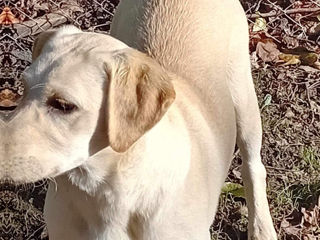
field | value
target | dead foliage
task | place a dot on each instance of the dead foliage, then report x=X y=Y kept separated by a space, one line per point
x=284 y=46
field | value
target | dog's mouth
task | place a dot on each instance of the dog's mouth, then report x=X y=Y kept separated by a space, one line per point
x=7 y=108
x=18 y=177
x=6 y=111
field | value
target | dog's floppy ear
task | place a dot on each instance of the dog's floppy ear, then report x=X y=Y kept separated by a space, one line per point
x=44 y=37
x=140 y=92
x=40 y=42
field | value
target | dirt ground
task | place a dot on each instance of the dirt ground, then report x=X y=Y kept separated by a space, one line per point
x=282 y=32
x=284 y=45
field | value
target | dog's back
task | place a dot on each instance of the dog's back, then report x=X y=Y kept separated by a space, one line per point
x=188 y=37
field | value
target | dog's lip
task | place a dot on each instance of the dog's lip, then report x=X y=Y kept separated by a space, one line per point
x=7 y=105
x=12 y=181
x=7 y=108
x=7 y=179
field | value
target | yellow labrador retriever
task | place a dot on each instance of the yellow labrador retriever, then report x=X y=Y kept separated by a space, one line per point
x=140 y=142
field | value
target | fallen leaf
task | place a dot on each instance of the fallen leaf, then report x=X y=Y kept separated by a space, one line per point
x=289 y=113
x=235 y=189
x=309 y=58
x=268 y=51
x=317 y=65
x=42 y=6
x=309 y=69
x=300 y=55
x=290 y=229
x=266 y=101
x=236 y=173
x=289 y=59
x=254 y=60
x=7 y=17
x=311 y=217
x=311 y=237
x=290 y=42
x=260 y=24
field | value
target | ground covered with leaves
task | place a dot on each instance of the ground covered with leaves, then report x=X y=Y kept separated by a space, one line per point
x=284 y=44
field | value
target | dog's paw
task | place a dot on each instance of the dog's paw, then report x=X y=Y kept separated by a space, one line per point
x=262 y=230
x=263 y=237
x=263 y=233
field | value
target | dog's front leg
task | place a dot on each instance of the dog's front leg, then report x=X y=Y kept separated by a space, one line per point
x=249 y=136
x=254 y=176
x=72 y=213
x=97 y=180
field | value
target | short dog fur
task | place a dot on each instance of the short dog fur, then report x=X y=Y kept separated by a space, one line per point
x=138 y=133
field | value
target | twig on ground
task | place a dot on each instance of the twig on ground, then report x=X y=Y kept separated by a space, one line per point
x=279 y=13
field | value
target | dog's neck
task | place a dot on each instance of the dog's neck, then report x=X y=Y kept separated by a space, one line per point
x=90 y=176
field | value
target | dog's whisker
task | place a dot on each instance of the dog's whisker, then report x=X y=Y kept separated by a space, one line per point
x=40 y=85
x=53 y=180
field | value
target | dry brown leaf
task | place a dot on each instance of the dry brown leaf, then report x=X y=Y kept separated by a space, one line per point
x=309 y=69
x=7 y=17
x=310 y=237
x=290 y=42
x=236 y=173
x=289 y=59
x=260 y=24
x=316 y=65
x=268 y=51
x=300 y=55
x=311 y=217
x=289 y=229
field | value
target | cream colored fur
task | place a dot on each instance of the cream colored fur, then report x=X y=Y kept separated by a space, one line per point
x=147 y=144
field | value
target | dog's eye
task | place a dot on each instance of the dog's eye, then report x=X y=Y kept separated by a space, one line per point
x=61 y=105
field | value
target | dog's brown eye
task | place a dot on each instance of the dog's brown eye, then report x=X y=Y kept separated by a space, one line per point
x=61 y=105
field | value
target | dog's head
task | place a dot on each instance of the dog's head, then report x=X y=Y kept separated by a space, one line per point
x=86 y=91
